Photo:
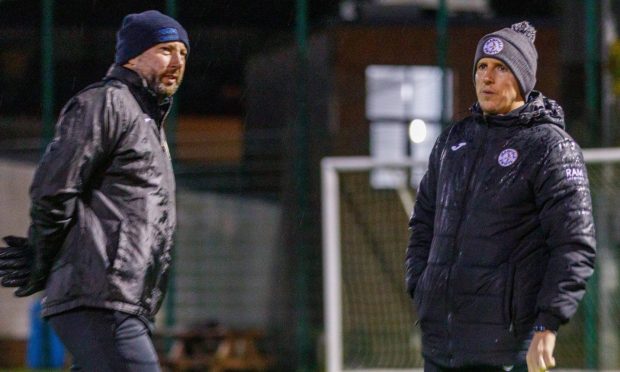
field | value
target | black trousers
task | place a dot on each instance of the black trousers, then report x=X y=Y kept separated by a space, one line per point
x=429 y=366
x=106 y=341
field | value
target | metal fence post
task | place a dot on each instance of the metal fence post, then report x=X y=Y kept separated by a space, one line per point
x=171 y=10
x=442 y=51
x=47 y=71
x=301 y=177
x=592 y=112
x=171 y=120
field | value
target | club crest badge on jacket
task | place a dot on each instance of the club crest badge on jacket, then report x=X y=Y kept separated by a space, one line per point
x=507 y=157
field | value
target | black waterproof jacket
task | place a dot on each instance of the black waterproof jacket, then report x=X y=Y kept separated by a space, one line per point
x=103 y=201
x=502 y=235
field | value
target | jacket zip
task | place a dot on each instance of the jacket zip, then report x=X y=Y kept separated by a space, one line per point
x=455 y=254
x=164 y=143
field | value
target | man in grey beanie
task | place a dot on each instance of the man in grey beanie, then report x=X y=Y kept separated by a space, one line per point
x=502 y=234
x=103 y=205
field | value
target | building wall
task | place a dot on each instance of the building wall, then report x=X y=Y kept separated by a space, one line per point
x=14 y=220
x=356 y=47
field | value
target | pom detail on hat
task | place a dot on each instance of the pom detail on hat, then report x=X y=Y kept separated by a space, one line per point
x=526 y=29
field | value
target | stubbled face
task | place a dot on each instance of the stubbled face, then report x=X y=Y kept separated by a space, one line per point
x=497 y=88
x=162 y=66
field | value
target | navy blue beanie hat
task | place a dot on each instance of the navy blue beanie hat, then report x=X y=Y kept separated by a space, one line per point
x=141 y=31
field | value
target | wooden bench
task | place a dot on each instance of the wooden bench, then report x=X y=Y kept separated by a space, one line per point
x=238 y=351
x=214 y=349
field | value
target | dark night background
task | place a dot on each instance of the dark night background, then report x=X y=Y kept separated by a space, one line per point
x=224 y=34
x=243 y=88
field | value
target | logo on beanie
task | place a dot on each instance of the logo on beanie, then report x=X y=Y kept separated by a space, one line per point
x=493 y=46
x=167 y=34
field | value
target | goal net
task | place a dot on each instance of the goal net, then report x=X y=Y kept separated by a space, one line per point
x=369 y=318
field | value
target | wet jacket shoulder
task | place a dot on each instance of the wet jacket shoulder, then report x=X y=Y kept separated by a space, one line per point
x=103 y=209
x=502 y=235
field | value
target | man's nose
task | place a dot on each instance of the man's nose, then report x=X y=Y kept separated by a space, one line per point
x=487 y=77
x=177 y=59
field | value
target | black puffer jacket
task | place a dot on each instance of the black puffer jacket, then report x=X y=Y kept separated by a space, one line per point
x=103 y=201
x=502 y=235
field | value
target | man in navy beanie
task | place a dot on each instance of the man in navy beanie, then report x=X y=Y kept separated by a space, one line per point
x=502 y=235
x=103 y=205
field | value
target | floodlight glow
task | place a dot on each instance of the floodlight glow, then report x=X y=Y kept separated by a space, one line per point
x=417 y=131
x=406 y=92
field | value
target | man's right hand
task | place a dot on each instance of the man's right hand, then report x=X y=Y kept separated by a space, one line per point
x=540 y=354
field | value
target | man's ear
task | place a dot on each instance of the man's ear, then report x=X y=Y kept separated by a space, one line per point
x=131 y=63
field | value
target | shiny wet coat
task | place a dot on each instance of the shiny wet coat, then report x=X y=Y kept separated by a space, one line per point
x=502 y=235
x=103 y=201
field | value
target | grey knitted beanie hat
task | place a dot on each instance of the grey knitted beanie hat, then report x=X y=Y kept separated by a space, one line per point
x=514 y=46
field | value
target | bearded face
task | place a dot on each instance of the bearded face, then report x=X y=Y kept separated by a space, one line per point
x=166 y=84
x=162 y=66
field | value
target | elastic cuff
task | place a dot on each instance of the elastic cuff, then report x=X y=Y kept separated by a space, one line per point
x=549 y=321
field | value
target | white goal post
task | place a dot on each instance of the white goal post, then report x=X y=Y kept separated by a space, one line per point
x=332 y=169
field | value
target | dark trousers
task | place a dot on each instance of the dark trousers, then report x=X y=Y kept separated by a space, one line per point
x=106 y=341
x=429 y=366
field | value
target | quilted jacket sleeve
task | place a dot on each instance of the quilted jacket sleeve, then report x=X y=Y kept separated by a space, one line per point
x=63 y=174
x=422 y=219
x=565 y=211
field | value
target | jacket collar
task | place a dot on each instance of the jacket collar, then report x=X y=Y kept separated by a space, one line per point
x=147 y=98
x=537 y=110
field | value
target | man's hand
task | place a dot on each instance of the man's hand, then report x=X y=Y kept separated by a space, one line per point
x=15 y=266
x=16 y=257
x=540 y=355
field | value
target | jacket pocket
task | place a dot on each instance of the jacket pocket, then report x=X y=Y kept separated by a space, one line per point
x=509 y=313
x=417 y=299
x=418 y=294
x=110 y=220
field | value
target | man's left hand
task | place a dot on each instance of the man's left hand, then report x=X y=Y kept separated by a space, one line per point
x=540 y=355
